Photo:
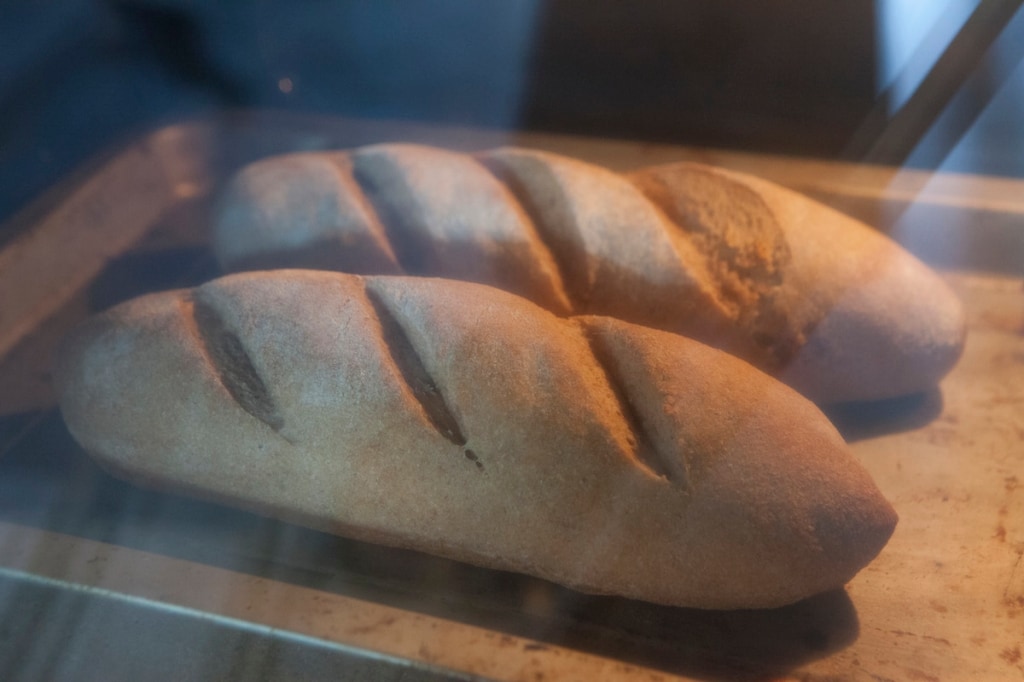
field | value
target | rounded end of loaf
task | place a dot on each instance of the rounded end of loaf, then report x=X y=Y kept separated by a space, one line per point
x=877 y=322
x=895 y=329
x=138 y=392
x=881 y=323
x=858 y=317
x=298 y=210
x=807 y=524
x=97 y=382
x=776 y=507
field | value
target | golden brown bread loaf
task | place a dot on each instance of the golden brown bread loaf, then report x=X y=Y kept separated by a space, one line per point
x=830 y=306
x=458 y=419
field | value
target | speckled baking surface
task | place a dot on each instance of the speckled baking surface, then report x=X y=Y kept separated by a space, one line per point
x=95 y=571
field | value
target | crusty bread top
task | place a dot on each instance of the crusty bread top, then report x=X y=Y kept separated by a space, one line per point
x=458 y=419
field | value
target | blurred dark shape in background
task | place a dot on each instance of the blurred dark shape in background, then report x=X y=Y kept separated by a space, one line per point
x=788 y=76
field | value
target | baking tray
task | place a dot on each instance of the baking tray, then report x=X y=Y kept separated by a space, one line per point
x=101 y=580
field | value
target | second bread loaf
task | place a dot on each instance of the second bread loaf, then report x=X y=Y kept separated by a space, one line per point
x=833 y=308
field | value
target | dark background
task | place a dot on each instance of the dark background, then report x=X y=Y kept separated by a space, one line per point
x=790 y=76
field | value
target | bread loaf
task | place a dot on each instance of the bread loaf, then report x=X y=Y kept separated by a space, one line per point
x=460 y=420
x=825 y=303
